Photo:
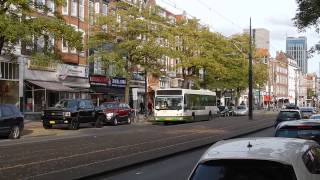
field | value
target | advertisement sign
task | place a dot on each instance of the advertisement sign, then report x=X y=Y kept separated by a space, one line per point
x=118 y=82
x=98 y=80
x=65 y=70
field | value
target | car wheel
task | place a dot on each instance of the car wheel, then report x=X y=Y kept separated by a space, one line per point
x=99 y=122
x=15 y=132
x=74 y=125
x=115 y=121
x=47 y=126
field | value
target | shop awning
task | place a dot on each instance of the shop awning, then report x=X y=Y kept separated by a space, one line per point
x=52 y=86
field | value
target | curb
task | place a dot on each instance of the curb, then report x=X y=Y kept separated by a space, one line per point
x=168 y=154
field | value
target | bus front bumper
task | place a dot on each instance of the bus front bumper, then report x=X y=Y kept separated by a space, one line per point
x=172 y=118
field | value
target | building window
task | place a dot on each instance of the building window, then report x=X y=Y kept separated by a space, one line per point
x=97 y=7
x=91 y=12
x=50 y=5
x=81 y=9
x=65 y=8
x=104 y=9
x=64 y=46
x=74 y=8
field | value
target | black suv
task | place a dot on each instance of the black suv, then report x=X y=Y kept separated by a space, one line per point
x=73 y=112
x=11 y=121
x=287 y=115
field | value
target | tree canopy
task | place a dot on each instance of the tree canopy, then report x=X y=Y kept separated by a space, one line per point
x=308 y=14
x=24 y=21
x=141 y=38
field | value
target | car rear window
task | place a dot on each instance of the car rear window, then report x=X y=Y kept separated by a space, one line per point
x=289 y=114
x=243 y=169
x=305 y=132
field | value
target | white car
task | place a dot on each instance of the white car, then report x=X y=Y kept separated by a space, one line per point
x=260 y=159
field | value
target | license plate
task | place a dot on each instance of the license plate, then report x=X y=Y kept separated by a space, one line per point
x=52 y=122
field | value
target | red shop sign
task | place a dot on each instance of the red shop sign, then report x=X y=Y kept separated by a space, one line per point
x=100 y=80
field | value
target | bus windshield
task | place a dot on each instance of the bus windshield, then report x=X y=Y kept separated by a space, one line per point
x=168 y=103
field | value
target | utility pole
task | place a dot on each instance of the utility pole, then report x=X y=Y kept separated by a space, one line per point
x=296 y=88
x=250 y=75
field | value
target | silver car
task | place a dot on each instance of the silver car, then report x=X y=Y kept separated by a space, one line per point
x=241 y=111
x=260 y=158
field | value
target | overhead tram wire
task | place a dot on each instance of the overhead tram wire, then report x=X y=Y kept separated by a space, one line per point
x=226 y=18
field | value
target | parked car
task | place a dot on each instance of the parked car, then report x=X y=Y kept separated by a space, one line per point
x=287 y=115
x=117 y=113
x=304 y=129
x=241 y=111
x=306 y=112
x=315 y=116
x=260 y=158
x=72 y=112
x=11 y=121
x=291 y=106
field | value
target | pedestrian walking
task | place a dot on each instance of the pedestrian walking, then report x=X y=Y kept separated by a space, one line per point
x=141 y=108
x=150 y=108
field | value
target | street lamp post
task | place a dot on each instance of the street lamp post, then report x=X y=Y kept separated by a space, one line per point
x=250 y=75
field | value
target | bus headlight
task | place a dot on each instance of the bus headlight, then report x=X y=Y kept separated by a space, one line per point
x=66 y=114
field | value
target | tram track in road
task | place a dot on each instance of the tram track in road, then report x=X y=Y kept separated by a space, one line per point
x=179 y=164
x=49 y=163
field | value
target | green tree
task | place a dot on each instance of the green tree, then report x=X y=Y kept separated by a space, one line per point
x=138 y=39
x=308 y=14
x=25 y=21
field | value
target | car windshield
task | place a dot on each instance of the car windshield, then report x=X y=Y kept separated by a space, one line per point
x=66 y=104
x=289 y=114
x=109 y=105
x=241 y=107
x=168 y=103
x=315 y=117
x=243 y=169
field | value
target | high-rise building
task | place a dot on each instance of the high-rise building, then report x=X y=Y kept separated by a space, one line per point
x=297 y=49
x=261 y=38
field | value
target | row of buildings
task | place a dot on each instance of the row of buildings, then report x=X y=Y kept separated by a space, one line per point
x=34 y=85
x=288 y=77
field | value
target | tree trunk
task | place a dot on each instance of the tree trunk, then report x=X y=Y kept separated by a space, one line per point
x=1 y=43
x=185 y=80
x=237 y=96
x=128 y=80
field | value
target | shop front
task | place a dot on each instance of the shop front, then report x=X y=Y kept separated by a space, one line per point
x=42 y=89
x=75 y=77
x=98 y=88
x=9 y=82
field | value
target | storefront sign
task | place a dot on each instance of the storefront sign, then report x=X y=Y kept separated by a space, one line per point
x=118 y=82
x=65 y=70
x=98 y=80
x=42 y=65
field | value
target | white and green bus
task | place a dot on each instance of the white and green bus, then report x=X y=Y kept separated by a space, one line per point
x=172 y=105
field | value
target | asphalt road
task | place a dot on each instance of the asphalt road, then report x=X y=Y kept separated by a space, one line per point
x=170 y=168
x=94 y=150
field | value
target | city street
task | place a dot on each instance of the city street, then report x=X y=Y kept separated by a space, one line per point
x=170 y=168
x=88 y=151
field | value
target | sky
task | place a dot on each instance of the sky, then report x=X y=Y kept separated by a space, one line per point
x=232 y=16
